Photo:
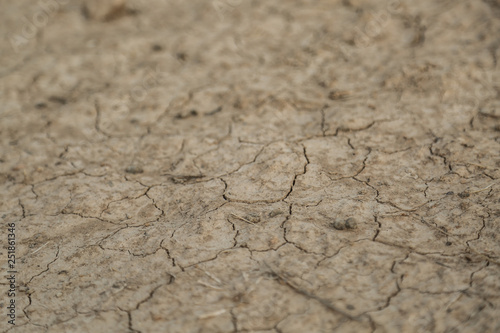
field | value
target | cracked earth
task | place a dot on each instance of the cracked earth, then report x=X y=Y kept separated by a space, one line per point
x=251 y=166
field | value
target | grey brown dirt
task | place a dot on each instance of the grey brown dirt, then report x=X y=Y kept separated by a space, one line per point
x=189 y=166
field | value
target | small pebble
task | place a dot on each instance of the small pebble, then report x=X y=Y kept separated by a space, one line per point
x=274 y=213
x=341 y=224
x=156 y=47
x=23 y=289
x=338 y=95
x=133 y=169
x=464 y=194
x=252 y=217
x=181 y=56
x=338 y=224
x=351 y=223
x=103 y=10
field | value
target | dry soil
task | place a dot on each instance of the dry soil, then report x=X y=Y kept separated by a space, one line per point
x=251 y=166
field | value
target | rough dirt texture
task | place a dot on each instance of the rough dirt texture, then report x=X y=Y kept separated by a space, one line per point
x=189 y=166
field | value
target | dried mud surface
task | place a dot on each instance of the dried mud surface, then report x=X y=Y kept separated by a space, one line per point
x=189 y=166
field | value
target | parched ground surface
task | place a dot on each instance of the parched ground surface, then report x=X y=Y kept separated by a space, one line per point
x=189 y=166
